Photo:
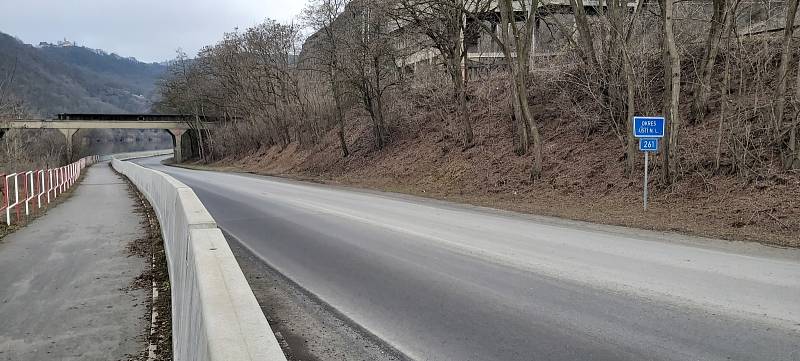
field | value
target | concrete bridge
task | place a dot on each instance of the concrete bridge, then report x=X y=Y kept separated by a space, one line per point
x=69 y=124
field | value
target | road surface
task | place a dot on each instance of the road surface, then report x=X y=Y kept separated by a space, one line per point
x=440 y=281
x=65 y=279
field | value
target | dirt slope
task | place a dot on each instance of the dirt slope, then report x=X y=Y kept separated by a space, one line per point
x=583 y=174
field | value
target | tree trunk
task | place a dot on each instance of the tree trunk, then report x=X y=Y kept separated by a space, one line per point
x=730 y=17
x=793 y=141
x=631 y=109
x=536 y=139
x=518 y=67
x=379 y=118
x=339 y=118
x=675 y=92
x=706 y=71
x=376 y=115
x=522 y=139
x=461 y=98
x=523 y=136
x=584 y=32
x=458 y=68
x=723 y=107
x=530 y=36
x=780 y=92
x=616 y=94
x=378 y=94
x=630 y=80
x=200 y=141
x=672 y=88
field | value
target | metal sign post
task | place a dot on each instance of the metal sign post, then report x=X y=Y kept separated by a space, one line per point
x=646 y=170
x=647 y=145
x=648 y=130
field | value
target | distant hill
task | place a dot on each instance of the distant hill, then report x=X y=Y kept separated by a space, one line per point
x=64 y=78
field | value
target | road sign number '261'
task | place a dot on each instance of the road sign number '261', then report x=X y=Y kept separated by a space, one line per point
x=648 y=144
x=648 y=127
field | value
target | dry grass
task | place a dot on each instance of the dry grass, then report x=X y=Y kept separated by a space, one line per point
x=583 y=178
x=583 y=166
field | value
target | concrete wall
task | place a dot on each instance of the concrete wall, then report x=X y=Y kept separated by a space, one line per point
x=215 y=315
x=135 y=155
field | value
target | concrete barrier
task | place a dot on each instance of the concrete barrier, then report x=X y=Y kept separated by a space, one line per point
x=215 y=315
x=135 y=155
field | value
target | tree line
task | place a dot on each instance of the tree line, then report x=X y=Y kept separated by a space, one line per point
x=693 y=62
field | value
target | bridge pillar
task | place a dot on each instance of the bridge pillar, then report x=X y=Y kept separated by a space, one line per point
x=176 y=140
x=68 y=135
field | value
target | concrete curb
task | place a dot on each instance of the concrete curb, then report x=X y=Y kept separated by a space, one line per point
x=215 y=315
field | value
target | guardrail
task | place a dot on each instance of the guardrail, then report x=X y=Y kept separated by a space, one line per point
x=215 y=315
x=37 y=188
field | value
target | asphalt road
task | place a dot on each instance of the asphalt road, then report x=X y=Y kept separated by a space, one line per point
x=440 y=281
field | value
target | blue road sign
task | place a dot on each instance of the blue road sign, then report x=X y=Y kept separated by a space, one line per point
x=648 y=144
x=648 y=127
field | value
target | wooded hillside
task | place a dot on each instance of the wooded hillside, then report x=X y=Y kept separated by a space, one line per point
x=50 y=79
x=547 y=133
x=53 y=79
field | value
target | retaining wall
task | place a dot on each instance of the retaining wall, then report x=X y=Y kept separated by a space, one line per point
x=215 y=315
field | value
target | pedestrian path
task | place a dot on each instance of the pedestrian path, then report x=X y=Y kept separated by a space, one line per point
x=65 y=279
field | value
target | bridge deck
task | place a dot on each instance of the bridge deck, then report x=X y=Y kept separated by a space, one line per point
x=110 y=121
x=69 y=124
x=96 y=124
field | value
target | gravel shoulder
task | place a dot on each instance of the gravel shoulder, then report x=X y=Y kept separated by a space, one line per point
x=153 y=280
x=307 y=328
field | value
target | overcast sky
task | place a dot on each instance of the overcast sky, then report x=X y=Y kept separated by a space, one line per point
x=150 y=30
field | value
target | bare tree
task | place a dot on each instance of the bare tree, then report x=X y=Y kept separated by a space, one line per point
x=442 y=22
x=672 y=86
x=794 y=141
x=271 y=80
x=730 y=17
x=782 y=75
x=614 y=70
x=586 y=50
x=608 y=66
x=196 y=123
x=370 y=65
x=321 y=15
x=706 y=70
x=179 y=93
x=520 y=39
x=516 y=39
x=623 y=36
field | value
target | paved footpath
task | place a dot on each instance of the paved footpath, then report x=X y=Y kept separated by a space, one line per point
x=64 y=278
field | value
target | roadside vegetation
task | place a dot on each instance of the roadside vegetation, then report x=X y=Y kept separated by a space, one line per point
x=544 y=128
x=155 y=280
x=31 y=149
x=24 y=149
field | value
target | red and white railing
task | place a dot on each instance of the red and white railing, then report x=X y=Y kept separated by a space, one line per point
x=32 y=190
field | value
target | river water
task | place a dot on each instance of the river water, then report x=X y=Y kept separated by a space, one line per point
x=106 y=145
